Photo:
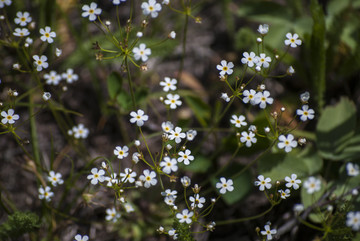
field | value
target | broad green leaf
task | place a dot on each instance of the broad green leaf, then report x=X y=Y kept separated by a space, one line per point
x=114 y=84
x=200 y=164
x=336 y=125
x=200 y=108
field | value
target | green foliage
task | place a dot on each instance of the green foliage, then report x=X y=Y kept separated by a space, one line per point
x=18 y=224
x=201 y=164
x=183 y=231
x=200 y=109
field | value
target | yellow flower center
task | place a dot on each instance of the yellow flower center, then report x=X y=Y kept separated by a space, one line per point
x=47 y=35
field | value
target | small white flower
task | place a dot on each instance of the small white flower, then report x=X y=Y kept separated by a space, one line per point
x=70 y=76
x=139 y=34
x=185 y=157
x=96 y=176
x=284 y=194
x=80 y=131
x=169 y=200
x=173 y=101
x=121 y=152
x=287 y=142
x=141 y=52
x=5 y=2
x=16 y=66
x=238 y=121
x=128 y=175
x=249 y=96
x=129 y=208
x=292 y=40
x=47 y=35
x=52 y=78
x=169 y=192
x=263 y=61
x=298 y=208
x=263 y=29
x=45 y=193
x=9 y=116
x=292 y=182
x=225 y=97
x=117 y=2
x=248 y=138
x=29 y=40
x=111 y=180
x=91 y=11
x=21 y=32
x=185 y=181
x=151 y=7
x=167 y=126
x=40 y=62
x=225 y=185
x=112 y=215
x=352 y=169
x=166 y=2
x=169 y=165
x=290 y=70
x=263 y=98
x=78 y=237
x=190 y=135
x=22 y=18
x=304 y=97
x=185 y=216
x=169 y=84
x=305 y=113
x=55 y=178
x=225 y=68
x=177 y=135
x=197 y=201
x=172 y=35
x=268 y=232
x=46 y=96
x=58 y=52
x=312 y=185
x=249 y=59
x=353 y=220
x=149 y=178
x=139 y=117
x=135 y=157
x=263 y=183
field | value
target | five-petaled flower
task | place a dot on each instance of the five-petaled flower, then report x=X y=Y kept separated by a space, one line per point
x=173 y=100
x=287 y=142
x=141 y=52
x=168 y=84
x=169 y=165
x=177 y=135
x=225 y=68
x=139 y=117
x=9 y=117
x=263 y=98
x=185 y=216
x=292 y=182
x=185 y=157
x=249 y=59
x=121 y=152
x=55 y=178
x=151 y=8
x=353 y=220
x=23 y=18
x=91 y=11
x=148 y=178
x=238 y=121
x=225 y=185
x=268 y=232
x=40 y=62
x=96 y=176
x=45 y=193
x=21 y=32
x=47 y=35
x=263 y=183
x=292 y=40
x=248 y=138
x=312 y=185
x=305 y=113
x=112 y=215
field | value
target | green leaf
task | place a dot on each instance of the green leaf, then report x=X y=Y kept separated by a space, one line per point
x=114 y=84
x=199 y=165
x=200 y=108
x=335 y=127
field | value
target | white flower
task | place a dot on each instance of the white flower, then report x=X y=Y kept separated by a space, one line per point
x=141 y=52
x=111 y=180
x=169 y=84
x=139 y=117
x=169 y=200
x=304 y=97
x=9 y=116
x=185 y=181
x=129 y=208
x=135 y=157
x=80 y=131
x=284 y=194
x=263 y=98
x=225 y=97
x=169 y=192
x=263 y=29
x=47 y=35
x=249 y=96
x=169 y=165
x=40 y=62
x=45 y=193
x=249 y=59
x=46 y=96
x=238 y=121
x=121 y=152
x=58 y=52
x=352 y=169
x=298 y=208
x=4 y=2
x=139 y=34
x=185 y=216
x=70 y=76
x=112 y=215
x=149 y=178
x=197 y=201
x=292 y=182
x=312 y=185
x=263 y=183
x=152 y=8
x=292 y=40
x=305 y=113
x=225 y=185
x=248 y=138
x=172 y=34
x=78 y=237
x=128 y=175
x=29 y=40
x=353 y=220
x=177 y=135
x=263 y=61
x=173 y=101
x=55 y=178
x=117 y=2
x=225 y=68
x=172 y=232
x=185 y=157
x=21 y=32
x=290 y=70
x=167 y=126
x=166 y=2
x=96 y=176
x=52 y=78
x=287 y=142
x=23 y=18
x=268 y=232
x=91 y=11
x=190 y=135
